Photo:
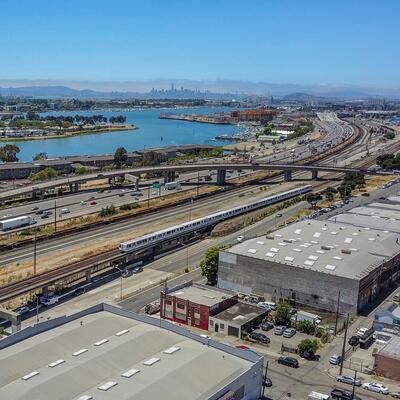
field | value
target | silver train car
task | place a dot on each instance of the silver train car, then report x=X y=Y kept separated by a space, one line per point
x=212 y=219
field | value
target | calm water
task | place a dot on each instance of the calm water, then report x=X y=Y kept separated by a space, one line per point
x=152 y=132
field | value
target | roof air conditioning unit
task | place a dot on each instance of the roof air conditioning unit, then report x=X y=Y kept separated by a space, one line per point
x=345 y=251
x=325 y=247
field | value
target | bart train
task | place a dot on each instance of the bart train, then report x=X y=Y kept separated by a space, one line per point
x=201 y=223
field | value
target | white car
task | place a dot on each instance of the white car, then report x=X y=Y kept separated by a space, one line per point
x=361 y=331
x=375 y=387
x=240 y=238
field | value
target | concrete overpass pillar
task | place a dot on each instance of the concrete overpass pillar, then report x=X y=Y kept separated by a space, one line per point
x=287 y=175
x=137 y=184
x=88 y=276
x=314 y=175
x=169 y=176
x=221 y=176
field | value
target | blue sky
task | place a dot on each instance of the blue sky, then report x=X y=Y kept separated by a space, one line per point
x=280 y=41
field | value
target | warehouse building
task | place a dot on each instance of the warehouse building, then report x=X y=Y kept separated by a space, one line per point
x=387 y=360
x=314 y=263
x=193 y=304
x=106 y=352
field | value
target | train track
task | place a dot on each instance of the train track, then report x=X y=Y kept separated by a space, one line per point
x=104 y=259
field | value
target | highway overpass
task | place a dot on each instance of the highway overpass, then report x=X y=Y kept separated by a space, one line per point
x=168 y=171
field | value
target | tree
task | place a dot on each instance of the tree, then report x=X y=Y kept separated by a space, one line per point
x=8 y=153
x=209 y=264
x=282 y=315
x=120 y=157
x=40 y=156
x=313 y=199
x=345 y=190
x=309 y=346
x=330 y=193
x=44 y=174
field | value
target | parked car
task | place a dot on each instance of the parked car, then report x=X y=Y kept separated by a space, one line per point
x=266 y=326
x=343 y=394
x=259 y=337
x=23 y=310
x=335 y=359
x=309 y=356
x=267 y=382
x=289 y=332
x=279 y=330
x=361 y=331
x=375 y=387
x=136 y=270
x=349 y=380
x=354 y=341
x=288 y=361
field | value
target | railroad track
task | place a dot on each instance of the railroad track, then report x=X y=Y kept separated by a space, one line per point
x=18 y=288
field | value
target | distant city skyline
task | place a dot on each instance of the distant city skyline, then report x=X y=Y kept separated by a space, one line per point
x=286 y=41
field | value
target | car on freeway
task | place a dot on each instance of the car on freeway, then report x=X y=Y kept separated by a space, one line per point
x=91 y=198
x=154 y=193
x=240 y=238
x=354 y=341
x=93 y=203
x=39 y=212
x=45 y=216
x=83 y=203
x=108 y=191
x=335 y=359
x=121 y=195
x=266 y=326
x=136 y=270
x=279 y=330
x=349 y=380
x=375 y=387
x=23 y=310
x=65 y=211
x=259 y=337
x=278 y=215
x=289 y=332
x=80 y=290
x=125 y=273
x=101 y=191
x=382 y=198
x=288 y=361
x=395 y=395
x=34 y=208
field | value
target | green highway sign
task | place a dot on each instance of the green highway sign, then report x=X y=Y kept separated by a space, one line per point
x=156 y=185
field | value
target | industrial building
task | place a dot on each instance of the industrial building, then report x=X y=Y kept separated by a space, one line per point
x=315 y=263
x=106 y=352
x=388 y=319
x=193 y=304
x=387 y=360
x=237 y=319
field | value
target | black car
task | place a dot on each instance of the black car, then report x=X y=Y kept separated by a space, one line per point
x=259 y=337
x=354 y=341
x=267 y=382
x=343 y=394
x=266 y=326
x=288 y=361
x=80 y=290
x=309 y=356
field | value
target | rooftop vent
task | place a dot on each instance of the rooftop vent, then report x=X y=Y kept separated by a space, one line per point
x=337 y=258
x=309 y=262
x=55 y=363
x=101 y=342
x=252 y=251
x=120 y=333
x=330 y=267
x=151 y=361
x=30 y=375
x=317 y=234
x=323 y=247
x=282 y=244
x=269 y=237
x=312 y=257
x=79 y=352
x=85 y=397
x=297 y=250
x=130 y=373
x=259 y=242
x=172 y=350
x=287 y=258
x=320 y=251
x=107 y=386
x=274 y=249
x=269 y=254
x=345 y=251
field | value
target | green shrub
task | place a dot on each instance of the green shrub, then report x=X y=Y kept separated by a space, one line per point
x=128 y=207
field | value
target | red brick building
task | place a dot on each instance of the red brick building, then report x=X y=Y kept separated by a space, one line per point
x=387 y=360
x=193 y=304
x=262 y=115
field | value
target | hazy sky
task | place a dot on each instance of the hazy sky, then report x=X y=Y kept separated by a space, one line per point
x=297 y=41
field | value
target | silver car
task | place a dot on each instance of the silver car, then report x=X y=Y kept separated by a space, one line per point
x=289 y=332
x=349 y=380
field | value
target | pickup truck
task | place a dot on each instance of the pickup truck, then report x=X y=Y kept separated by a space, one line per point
x=48 y=300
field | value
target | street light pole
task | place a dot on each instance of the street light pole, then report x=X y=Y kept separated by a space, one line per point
x=187 y=247
x=34 y=252
x=344 y=344
x=148 y=197
x=354 y=384
x=198 y=182
x=37 y=309
x=55 y=215
x=264 y=379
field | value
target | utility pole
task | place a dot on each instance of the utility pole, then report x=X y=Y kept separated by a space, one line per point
x=55 y=215
x=337 y=309
x=344 y=344
x=354 y=384
x=37 y=309
x=34 y=252
x=148 y=197
x=198 y=182
x=264 y=379
x=187 y=247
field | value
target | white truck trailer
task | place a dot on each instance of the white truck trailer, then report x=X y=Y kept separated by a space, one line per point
x=16 y=222
x=172 y=185
x=306 y=316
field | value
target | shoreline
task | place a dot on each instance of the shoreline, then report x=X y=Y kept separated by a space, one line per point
x=70 y=135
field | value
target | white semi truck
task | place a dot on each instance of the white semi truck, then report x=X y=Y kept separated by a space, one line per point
x=16 y=222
